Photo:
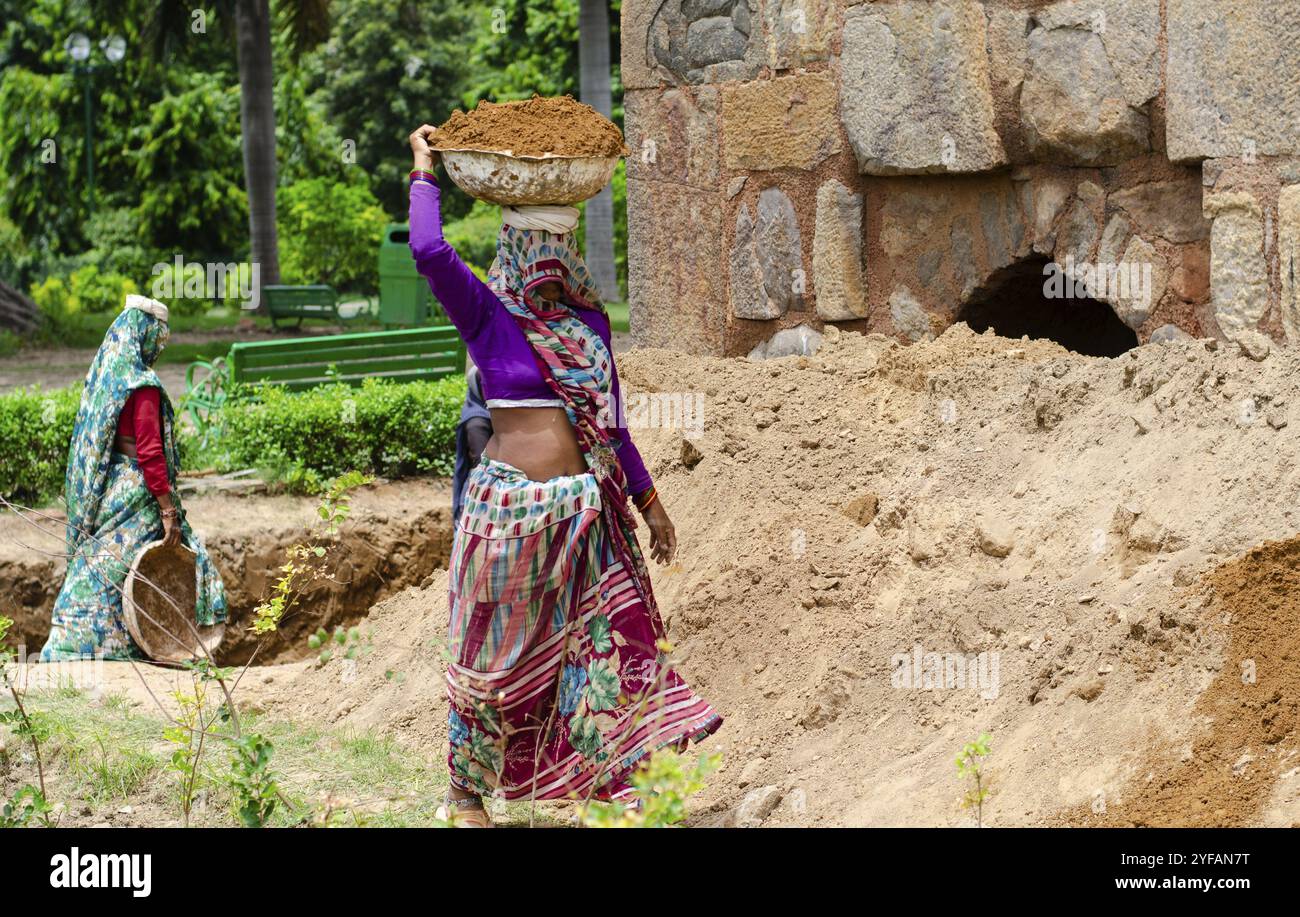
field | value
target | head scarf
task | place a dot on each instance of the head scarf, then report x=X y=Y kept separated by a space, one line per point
x=123 y=364
x=526 y=259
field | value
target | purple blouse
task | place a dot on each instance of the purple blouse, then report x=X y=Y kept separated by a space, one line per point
x=496 y=344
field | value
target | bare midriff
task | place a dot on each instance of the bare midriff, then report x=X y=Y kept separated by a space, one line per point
x=125 y=445
x=540 y=442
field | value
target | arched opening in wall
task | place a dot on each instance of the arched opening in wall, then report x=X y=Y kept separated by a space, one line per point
x=1013 y=303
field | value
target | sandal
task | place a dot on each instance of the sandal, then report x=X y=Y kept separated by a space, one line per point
x=466 y=812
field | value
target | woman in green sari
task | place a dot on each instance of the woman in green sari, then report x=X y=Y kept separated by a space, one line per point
x=119 y=490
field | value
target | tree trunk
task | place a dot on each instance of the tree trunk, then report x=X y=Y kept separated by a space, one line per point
x=257 y=121
x=17 y=312
x=593 y=86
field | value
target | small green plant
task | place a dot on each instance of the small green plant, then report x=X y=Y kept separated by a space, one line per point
x=254 y=784
x=660 y=787
x=24 y=807
x=25 y=724
x=187 y=733
x=347 y=641
x=336 y=504
x=970 y=770
x=303 y=561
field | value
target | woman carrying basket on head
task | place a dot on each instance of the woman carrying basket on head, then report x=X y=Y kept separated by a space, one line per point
x=558 y=684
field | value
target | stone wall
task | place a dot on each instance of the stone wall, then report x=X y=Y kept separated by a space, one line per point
x=876 y=164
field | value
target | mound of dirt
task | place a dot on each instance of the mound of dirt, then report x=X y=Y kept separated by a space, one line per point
x=885 y=551
x=560 y=126
x=1248 y=717
x=396 y=685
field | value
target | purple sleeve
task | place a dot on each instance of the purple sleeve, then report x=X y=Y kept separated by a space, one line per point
x=638 y=479
x=467 y=300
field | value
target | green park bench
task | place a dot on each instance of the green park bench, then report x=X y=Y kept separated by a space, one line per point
x=408 y=355
x=317 y=300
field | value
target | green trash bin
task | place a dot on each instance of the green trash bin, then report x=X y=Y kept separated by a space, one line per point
x=405 y=299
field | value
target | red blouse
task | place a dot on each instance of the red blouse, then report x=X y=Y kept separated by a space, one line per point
x=142 y=420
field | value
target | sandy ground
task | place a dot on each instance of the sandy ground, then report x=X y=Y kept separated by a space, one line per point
x=1077 y=537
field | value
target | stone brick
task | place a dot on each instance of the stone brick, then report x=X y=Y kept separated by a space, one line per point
x=1133 y=311
x=689 y=42
x=1047 y=197
x=914 y=88
x=910 y=318
x=1238 y=270
x=676 y=279
x=837 y=254
x=673 y=136
x=783 y=123
x=766 y=259
x=1288 y=251
x=1232 y=78
x=1090 y=70
x=798 y=31
x=1170 y=210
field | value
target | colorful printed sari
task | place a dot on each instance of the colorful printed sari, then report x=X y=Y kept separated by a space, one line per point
x=111 y=513
x=558 y=683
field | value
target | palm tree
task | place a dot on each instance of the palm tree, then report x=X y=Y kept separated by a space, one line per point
x=593 y=87
x=257 y=124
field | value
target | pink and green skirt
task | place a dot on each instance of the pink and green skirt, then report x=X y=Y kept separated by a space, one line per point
x=557 y=683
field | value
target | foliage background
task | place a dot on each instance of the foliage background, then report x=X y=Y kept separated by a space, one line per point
x=166 y=132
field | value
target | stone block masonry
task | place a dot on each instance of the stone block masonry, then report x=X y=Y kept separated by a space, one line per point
x=881 y=165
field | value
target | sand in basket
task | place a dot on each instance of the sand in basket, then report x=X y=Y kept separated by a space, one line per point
x=535 y=151
x=158 y=602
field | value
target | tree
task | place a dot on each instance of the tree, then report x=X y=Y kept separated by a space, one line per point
x=257 y=120
x=304 y=23
x=389 y=66
x=594 y=80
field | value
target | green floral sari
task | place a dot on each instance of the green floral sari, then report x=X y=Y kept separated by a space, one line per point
x=111 y=513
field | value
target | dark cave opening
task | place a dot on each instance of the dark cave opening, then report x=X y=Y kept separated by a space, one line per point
x=1013 y=303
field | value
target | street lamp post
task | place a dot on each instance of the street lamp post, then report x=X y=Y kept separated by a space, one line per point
x=78 y=47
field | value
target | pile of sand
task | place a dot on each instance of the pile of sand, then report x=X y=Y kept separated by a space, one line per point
x=538 y=126
x=971 y=495
x=1245 y=740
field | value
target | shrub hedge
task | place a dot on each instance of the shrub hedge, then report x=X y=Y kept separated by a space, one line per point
x=385 y=428
x=307 y=438
x=35 y=430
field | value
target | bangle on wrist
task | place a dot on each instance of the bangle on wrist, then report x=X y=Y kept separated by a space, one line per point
x=423 y=175
x=644 y=500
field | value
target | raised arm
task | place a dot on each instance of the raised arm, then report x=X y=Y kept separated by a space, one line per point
x=467 y=300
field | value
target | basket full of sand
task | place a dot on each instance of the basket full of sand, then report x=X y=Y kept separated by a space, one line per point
x=535 y=151
x=158 y=602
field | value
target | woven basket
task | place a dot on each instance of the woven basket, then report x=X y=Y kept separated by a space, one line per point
x=164 y=632
x=513 y=181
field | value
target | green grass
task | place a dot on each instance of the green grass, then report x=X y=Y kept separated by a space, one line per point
x=107 y=754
